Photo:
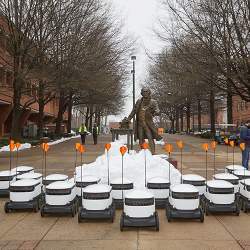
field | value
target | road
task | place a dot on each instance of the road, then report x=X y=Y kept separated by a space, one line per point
x=25 y=230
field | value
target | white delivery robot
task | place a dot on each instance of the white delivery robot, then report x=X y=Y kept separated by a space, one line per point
x=245 y=195
x=120 y=187
x=6 y=178
x=196 y=180
x=220 y=196
x=139 y=210
x=25 y=194
x=159 y=187
x=97 y=203
x=184 y=203
x=60 y=198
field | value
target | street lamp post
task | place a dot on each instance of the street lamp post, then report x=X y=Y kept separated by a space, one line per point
x=133 y=58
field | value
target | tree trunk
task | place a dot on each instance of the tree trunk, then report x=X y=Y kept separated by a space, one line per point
x=188 y=114
x=172 y=125
x=182 y=119
x=212 y=112
x=229 y=108
x=91 y=117
x=41 y=109
x=70 y=105
x=16 y=112
x=87 y=117
x=199 y=115
x=60 y=113
x=177 y=119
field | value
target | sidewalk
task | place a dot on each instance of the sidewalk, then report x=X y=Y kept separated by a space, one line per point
x=25 y=230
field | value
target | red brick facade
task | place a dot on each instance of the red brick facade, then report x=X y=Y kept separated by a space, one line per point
x=29 y=116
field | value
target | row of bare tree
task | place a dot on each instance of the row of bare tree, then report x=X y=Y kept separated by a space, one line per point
x=206 y=59
x=76 y=51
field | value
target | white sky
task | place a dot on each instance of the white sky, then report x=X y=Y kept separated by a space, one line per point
x=140 y=17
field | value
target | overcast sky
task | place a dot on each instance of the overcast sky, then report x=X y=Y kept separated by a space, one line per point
x=140 y=17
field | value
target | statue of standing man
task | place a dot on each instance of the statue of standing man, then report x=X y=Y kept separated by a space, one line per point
x=144 y=111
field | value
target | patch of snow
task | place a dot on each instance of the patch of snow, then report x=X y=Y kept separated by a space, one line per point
x=133 y=166
x=63 y=140
x=22 y=147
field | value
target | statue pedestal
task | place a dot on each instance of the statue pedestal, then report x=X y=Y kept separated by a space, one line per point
x=122 y=131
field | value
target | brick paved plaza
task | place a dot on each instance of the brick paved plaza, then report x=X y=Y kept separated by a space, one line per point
x=24 y=230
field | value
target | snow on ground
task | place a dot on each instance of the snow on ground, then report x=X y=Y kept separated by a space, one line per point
x=22 y=147
x=134 y=165
x=123 y=139
x=28 y=145
x=63 y=140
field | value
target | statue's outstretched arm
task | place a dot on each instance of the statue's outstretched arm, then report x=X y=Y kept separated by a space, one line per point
x=133 y=112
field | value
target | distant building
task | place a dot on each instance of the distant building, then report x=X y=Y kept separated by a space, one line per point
x=29 y=116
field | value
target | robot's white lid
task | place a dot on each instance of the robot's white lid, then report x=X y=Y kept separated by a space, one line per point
x=242 y=172
x=225 y=176
x=23 y=168
x=87 y=178
x=60 y=185
x=25 y=183
x=6 y=173
x=193 y=177
x=158 y=179
x=139 y=194
x=56 y=177
x=184 y=188
x=246 y=181
x=234 y=167
x=30 y=176
x=119 y=181
x=219 y=184
x=97 y=188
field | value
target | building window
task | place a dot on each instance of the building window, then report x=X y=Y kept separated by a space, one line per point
x=2 y=38
x=9 y=78
x=238 y=107
x=1 y=76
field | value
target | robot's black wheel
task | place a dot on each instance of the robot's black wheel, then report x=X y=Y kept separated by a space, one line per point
x=121 y=222
x=72 y=210
x=6 y=208
x=201 y=216
x=237 y=211
x=79 y=217
x=244 y=206
x=157 y=224
x=36 y=206
x=169 y=216
x=42 y=211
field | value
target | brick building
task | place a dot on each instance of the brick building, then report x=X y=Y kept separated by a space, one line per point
x=29 y=116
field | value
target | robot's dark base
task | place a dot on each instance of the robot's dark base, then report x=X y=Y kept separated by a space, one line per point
x=70 y=208
x=118 y=203
x=127 y=221
x=244 y=203
x=161 y=203
x=173 y=213
x=4 y=193
x=209 y=207
x=108 y=213
x=33 y=205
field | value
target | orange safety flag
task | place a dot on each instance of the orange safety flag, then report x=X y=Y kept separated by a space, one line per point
x=77 y=146
x=18 y=145
x=144 y=145
x=231 y=143
x=12 y=145
x=180 y=144
x=45 y=147
x=123 y=150
x=108 y=146
x=242 y=146
x=213 y=145
x=81 y=148
x=160 y=131
x=205 y=146
x=169 y=148
x=226 y=140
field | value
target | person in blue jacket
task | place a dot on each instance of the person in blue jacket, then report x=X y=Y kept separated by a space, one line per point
x=245 y=138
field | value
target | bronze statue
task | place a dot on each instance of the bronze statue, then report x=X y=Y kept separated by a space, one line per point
x=125 y=123
x=145 y=109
